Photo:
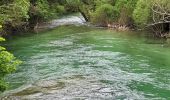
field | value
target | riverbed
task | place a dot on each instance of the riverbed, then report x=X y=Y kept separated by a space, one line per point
x=82 y=63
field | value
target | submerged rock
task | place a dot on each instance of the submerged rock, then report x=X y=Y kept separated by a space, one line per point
x=28 y=91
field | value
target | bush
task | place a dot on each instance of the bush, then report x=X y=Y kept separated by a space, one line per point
x=103 y=14
x=42 y=9
x=123 y=11
x=58 y=10
x=142 y=12
x=8 y=65
x=3 y=86
x=14 y=12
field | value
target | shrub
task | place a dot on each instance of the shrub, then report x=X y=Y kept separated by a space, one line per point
x=8 y=65
x=123 y=11
x=103 y=14
x=58 y=10
x=42 y=9
x=142 y=12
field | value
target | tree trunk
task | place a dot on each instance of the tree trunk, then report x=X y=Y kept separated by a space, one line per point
x=84 y=15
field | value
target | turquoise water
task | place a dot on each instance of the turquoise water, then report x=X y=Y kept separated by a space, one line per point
x=79 y=63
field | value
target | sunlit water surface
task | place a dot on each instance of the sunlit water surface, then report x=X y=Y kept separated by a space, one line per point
x=81 y=63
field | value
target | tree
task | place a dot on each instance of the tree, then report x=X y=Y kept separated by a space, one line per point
x=160 y=11
x=154 y=14
x=123 y=11
x=142 y=13
x=13 y=13
x=160 y=17
x=103 y=14
x=8 y=65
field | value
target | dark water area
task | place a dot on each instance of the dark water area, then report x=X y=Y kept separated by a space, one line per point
x=83 y=63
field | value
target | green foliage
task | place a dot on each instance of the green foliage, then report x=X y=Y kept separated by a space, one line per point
x=142 y=12
x=47 y=9
x=103 y=14
x=60 y=9
x=101 y=2
x=3 y=86
x=8 y=65
x=42 y=8
x=72 y=5
x=57 y=10
x=14 y=12
x=128 y=4
x=123 y=11
x=22 y=7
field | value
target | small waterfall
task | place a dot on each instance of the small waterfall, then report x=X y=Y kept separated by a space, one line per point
x=66 y=20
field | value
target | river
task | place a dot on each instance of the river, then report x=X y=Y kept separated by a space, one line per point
x=82 y=63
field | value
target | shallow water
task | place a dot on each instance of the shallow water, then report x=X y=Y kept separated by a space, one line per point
x=81 y=63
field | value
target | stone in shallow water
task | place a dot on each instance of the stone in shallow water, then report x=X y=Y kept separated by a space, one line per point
x=105 y=90
x=50 y=84
x=36 y=90
x=28 y=91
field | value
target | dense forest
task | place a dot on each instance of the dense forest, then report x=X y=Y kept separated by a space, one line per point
x=25 y=15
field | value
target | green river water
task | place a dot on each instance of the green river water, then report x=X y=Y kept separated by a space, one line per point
x=82 y=63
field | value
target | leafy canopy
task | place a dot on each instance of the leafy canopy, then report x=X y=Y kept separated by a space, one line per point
x=8 y=65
